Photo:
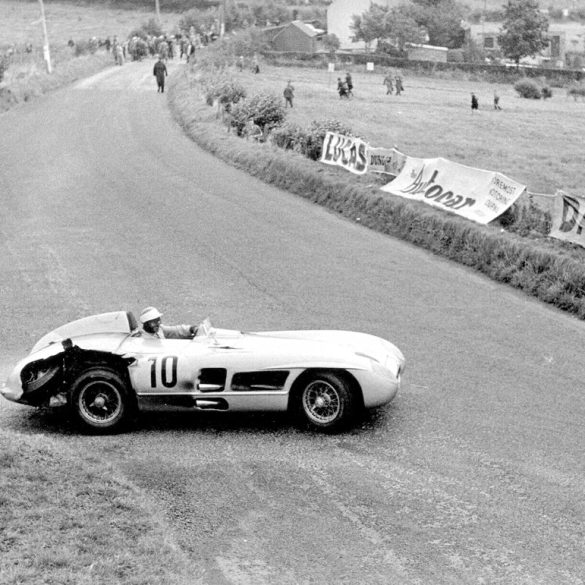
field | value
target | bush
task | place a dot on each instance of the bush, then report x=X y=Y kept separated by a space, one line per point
x=84 y=48
x=263 y=109
x=576 y=92
x=228 y=92
x=307 y=141
x=289 y=137
x=316 y=135
x=546 y=92
x=151 y=28
x=3 y=66
x=527 y=88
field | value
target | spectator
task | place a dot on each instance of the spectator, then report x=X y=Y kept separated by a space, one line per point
x=160 y=72
x=240 y=63
x=349 y=84
x=388 y=83
x=342 y=89
x=255 y=65
x=399 y=86
x=497 y=101
x=474 y=103
x=190 y=51
x=289 y=94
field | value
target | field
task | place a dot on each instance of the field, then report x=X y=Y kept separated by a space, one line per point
x=536 y=142
x=20 y=22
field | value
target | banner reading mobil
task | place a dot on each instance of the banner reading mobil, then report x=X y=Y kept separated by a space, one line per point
x=568 y=218
x=472 y=193
x=345 y=151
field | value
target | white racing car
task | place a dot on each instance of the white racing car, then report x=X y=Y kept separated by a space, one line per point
x=104 y=370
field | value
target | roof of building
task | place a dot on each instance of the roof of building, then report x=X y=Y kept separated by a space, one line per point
x=305 y=27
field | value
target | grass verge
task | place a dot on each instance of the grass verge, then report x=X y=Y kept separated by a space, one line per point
x=538 y=267
x=27 y=81
x=68 y=520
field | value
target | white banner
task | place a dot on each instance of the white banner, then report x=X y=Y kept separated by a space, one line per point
x=345 y=151
x=568 y=218
x=478 y=195
x=385 y=160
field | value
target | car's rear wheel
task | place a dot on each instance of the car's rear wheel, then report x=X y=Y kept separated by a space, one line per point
x=100 y=401
x=326 y=402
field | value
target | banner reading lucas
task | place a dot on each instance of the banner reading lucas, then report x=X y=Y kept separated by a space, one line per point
x=347 y=152
x=478 y=195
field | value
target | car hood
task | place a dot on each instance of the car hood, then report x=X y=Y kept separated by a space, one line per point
x=318 y=347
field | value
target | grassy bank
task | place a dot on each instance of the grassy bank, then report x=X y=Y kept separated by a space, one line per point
x=540 y=267
x=69 y=519
x=29 y=79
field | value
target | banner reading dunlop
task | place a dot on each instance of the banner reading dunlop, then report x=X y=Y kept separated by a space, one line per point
x=345 y=151
x=475 y=194
x=568 y=218
x=385 y=160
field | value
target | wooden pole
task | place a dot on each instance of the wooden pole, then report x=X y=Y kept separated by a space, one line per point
x=46 y=50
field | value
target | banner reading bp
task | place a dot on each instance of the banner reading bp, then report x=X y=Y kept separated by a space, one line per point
x=345 y=151
x=568 y=218
x=472 y=193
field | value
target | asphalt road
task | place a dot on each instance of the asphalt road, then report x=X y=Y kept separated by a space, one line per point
x=473 y=475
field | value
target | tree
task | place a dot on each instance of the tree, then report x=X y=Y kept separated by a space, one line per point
x=331 y=43
x=402 y=28
x=371 y=25
x=442 y=20
x=523 y=31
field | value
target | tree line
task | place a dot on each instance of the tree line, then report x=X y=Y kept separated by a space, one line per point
x=441 y=23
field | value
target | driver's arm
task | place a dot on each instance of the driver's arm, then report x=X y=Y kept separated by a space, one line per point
x=179 y=331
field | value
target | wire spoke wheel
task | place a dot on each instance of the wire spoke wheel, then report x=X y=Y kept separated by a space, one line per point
x=325 y=401
x=321 y=402
x=100 y=401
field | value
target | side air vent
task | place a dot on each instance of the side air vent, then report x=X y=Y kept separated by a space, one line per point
x=259 y=381
x=212 y=380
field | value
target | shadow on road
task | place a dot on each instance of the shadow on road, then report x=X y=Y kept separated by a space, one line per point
x=57 y=421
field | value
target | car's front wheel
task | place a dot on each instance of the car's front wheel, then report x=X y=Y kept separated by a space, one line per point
x=100 y=400
x=326 y=402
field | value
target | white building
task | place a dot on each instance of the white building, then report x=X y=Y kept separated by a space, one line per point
x=339 y=18
x=566 y=47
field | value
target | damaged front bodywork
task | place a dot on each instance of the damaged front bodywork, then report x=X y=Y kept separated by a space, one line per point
x=46 y=381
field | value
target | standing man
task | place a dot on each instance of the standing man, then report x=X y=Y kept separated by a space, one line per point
x=399 y=86
x=474 y=103
x=289 y=94
x=160 y=72
x=497 y=101
x=349 y=84
x=388 y=83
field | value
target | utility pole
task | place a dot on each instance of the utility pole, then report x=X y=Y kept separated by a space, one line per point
x=46 y=50
x=222 y=11
x=157 y=10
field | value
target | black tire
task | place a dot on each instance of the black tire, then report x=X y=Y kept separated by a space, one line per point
x=100 y=401
x=325 y=401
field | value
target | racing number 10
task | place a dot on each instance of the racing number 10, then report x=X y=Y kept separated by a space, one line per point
x=168 y=379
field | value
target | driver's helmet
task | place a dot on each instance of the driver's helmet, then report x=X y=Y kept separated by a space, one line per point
x=149 y=314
